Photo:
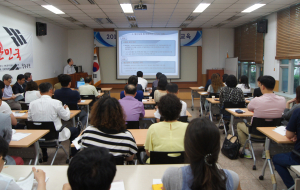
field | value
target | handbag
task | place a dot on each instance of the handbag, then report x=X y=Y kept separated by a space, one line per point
x=231 y=147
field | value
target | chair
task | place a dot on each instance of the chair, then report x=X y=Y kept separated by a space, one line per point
x=98 y=88
x=84 y=97
x=229 y=105
x=50 y=140
x=217 y=95
x=133 y=124
x=181 y=118
x=24 y=106
x=258 y=122
x=157 y=157
x=79 y=124
x=247 y=94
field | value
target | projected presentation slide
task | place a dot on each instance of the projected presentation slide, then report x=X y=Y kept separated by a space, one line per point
x=149 y=52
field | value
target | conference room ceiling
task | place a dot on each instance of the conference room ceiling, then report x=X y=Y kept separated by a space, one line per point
x=160 y=13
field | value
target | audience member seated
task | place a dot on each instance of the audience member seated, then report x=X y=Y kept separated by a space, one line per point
x=108 y=129
x=161 y=88
x=283 y=161
x=216 y=84
x=133 y=109
x=257 y=92
x=202 y=154
x=231 y=93
x=8 y=183
x=98 y=173
x=88 y=88
x=4 y=108
x=139 y=93
x=32 y=92
x=57 y=86
x=18 y=86
x=263 y=107
x=172 y=88
x=141 y=80
x=224 y=78
x=28 y=78
x=70 y=97
x=155 y=83
x=166 y=135
x=48 y=109
x=8 y=95
x=288 y=111
x=244 y=84
x=207 y=84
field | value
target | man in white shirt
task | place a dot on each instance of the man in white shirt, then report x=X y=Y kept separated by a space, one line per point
x=141 y=80
x=69 y=69
x=4 y=108
x=172 y=88
x=48 y=109
x=88 y=89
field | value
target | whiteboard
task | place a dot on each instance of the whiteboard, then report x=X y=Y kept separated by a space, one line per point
x=231 y=66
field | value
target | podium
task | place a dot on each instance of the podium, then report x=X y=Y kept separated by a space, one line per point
x=76 y=77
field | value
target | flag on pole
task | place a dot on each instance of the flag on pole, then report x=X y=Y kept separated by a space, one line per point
x=96 y=70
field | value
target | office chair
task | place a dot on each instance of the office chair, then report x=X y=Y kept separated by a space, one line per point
x=24 y=106
x=158 y=157
x=133 y=124
x=79 y=124
x=50 y=140
x=247 y=94
x=258 y=122
x=181 y=118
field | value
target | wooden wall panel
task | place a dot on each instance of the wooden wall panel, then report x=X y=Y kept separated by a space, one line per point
x=276 y=88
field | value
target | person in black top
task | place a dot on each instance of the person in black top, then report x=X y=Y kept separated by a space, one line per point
x=257 y=92
x=70 y=97
x=285 y=160
x=18 y=86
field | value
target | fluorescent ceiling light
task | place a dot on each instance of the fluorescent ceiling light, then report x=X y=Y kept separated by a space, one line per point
x=53 y=9
x=201 y=7
x=127 y=8
x=252 y=8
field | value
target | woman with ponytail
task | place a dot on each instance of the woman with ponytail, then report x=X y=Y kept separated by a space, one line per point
x=202 y=154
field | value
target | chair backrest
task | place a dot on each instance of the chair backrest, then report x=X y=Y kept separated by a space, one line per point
x=98 y=88
x=217 y=95
x=37 y=125
x=84 y=97
x=234 y=105
x=133 y=124
x=24 y=106
x=119 y=160
x=181 y=118
x=261 y=122
x=247 y=94
x=157 y=157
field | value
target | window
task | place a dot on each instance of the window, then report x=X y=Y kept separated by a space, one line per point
x=289 y=75
x=251 y=70
x=296 y=74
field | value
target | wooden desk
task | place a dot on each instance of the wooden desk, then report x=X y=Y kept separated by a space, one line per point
x=195 y=89
x=268 y=131
x=106 y=90
x=202 y=94
x=139 y=136
x=29 y=140
x=296 y=169
x=135 y=177
x=146 y=93
x=246 y=113
x=210 y=102
x=87 y=104
x=150 y=113
x=148 y=102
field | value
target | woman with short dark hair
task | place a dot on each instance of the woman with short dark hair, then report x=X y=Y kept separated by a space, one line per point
x=166 y=135
x=32 y=92
x=108 y=129
x=202 y=149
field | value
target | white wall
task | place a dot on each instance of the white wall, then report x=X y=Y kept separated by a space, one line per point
x=81 y=48
x=216 y=43
x=270 y=63
x=49 y=52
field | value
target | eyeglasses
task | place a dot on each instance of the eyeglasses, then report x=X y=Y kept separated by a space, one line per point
x=5 y=161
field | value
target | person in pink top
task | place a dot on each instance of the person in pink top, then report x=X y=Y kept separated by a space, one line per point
x=266 y=106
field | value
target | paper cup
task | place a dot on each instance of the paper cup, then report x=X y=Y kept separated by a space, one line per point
x=213 y=97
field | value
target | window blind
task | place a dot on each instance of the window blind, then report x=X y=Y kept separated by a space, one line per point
x=288 y=32
x=248 y=44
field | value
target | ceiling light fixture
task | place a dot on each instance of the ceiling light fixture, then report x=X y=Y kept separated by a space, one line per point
x=201 y=7
x=53 y=9
x=127 y=8
x=252 y=8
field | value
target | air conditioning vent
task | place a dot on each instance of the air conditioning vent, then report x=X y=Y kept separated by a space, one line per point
x=82 y=25
x=103 y=20
x=74 y=2
x=219 y=25
x=131 y=18
x=234 y=18
x=108 y=19
x=191 y=18
x=184 y=25
x=71 y=19
x=134 y=26
x=91 y=2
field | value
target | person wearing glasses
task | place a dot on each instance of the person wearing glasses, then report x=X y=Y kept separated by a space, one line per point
x=7 y=183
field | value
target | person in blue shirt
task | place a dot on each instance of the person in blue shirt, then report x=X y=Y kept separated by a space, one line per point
x=70 y=97
x=285 y=160
x=139 y=93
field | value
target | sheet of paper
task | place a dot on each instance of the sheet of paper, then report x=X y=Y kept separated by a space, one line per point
x=204 y=93
x=18 y=114
x=26 y=183
x=117 y=185
x=280 y=130
x=235 y=109
x=144 y=100
x=19 y=136
x=82 y=101
x=200 y=87
x=13 y=131
x=157 y=181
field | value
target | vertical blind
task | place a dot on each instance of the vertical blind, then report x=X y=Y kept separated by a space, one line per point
x=248 y=44
x=288 y=33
